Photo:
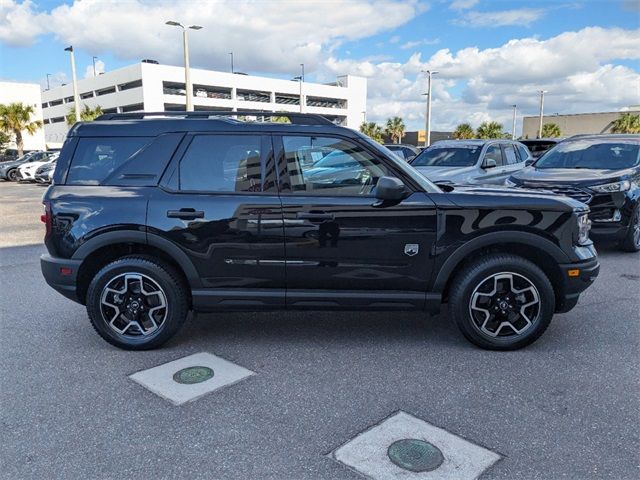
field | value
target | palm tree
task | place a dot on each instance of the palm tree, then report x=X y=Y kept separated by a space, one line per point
x=489 y=130
x=395 y=129
x=87 y=114
x=626 y=123
x=551 y=130
x=463 y=131
x=15 y=118
x=373 y=130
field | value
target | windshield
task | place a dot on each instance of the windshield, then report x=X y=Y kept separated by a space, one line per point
x=592 y=154
x=460 y=156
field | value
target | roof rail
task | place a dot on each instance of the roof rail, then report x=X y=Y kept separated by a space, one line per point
x=296 y=118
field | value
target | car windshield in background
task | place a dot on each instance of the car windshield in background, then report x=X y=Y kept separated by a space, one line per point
x=593 y=154
x=461 y=156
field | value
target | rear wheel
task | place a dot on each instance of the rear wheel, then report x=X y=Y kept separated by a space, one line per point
x=631 y=242
x=137 y=303
x=502 y=302
x=12 y=175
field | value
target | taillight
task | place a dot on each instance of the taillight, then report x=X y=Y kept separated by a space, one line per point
x=46 y=218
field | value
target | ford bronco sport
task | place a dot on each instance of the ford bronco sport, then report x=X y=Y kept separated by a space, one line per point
x=152 y=215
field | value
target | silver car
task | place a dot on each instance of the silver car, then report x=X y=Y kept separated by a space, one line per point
x=475 y=162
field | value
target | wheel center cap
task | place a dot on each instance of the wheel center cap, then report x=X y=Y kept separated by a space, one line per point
x=503 y=305
x=135 y=305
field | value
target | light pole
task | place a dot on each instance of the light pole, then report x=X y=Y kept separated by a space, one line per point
x=231 y=53
x=300 y=79
x=427 y=140
x=513 y=126
x=76 y=99
x=187 y=73
x=542 y=92
x=93 y=59
x=48 y=86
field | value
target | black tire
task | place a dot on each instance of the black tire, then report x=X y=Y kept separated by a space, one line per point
x=631 y=242
x=12 y=175
x=154 y=273
x=481 y=273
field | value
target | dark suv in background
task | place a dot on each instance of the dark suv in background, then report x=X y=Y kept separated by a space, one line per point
x=153 y=215
x=602 y=171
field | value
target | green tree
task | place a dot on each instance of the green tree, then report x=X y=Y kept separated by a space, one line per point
x=87 y=114
x=4 y=140
x=551 y=130
x=15 y=118
x=626 y=123
x=280 y=119
x=395 y=129
x=489 y=130
x=373 y=130
x=463 y=131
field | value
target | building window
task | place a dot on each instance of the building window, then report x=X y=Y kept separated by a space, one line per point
x=68 y=100
x=326 y=102
x=286 y=99
x=86 y=95
x=45 y=105
x=173 y=88
x=109 y=110
x=174 y=107
x=132 y=108
x=253 y=96
x=105 y=91
x=207 y=91
x=57 y=119
x=55 y=103
x=130 y=85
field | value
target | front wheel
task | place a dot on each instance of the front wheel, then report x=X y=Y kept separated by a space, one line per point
x=631 y=242
x=137 y=302
x=12 y=175
x=501 y=302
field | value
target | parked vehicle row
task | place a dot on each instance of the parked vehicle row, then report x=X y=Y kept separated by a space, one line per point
x=25 y=168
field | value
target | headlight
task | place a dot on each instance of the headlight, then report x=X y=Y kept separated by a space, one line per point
x=622 y=186
x=584 y=225
x=509 y=183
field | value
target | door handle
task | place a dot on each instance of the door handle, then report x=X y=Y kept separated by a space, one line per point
x=315 y=216
x=185 y=213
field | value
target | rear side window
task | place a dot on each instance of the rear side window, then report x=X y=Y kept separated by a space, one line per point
x=524 y=153
x=96 y=158
x=510 y=154
x=222 y=163
x=494 y=153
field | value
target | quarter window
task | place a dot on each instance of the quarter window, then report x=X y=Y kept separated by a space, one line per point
x=330 y=166
x=222 y=163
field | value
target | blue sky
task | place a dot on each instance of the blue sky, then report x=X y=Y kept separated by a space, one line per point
x=491 y=54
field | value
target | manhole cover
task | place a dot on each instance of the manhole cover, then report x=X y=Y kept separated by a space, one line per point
x=192 y=375
x=415 y=455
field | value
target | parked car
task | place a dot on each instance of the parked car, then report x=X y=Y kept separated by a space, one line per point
x=11 y=154
x=27 y=171
x=471 y=162
x=538 y=146
x=9 y=170
x=44 y=174
x=146 y=219
x=404 y=151
x=602 y=171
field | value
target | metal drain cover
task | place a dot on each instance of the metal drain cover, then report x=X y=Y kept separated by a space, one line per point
x=191 y=375
x=415 y=455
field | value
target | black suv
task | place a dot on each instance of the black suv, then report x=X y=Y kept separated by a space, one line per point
x=153 y=215
x=602 y=171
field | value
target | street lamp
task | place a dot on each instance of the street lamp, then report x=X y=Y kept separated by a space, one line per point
x=93 y=59
x=427 y=140
x=231 y=53
x=48 y=86
x=542 y=92
x=187 y=74
x=513 y=126
x=76 y=99
x=300 y=79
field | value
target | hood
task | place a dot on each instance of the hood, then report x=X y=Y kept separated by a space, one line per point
x=451 y=174
x=574 y=176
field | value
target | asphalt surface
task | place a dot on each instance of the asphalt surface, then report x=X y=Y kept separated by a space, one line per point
x=565 y=407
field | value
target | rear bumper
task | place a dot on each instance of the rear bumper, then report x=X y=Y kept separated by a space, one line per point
x=60 y=274
x=576 y=278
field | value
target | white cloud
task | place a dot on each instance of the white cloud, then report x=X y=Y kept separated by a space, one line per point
x=418 y=43
x=99 y=69
x=19 y=22
x=520 y=16
x=463 y=4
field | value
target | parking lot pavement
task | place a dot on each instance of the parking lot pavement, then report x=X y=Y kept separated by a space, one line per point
x=566 y=407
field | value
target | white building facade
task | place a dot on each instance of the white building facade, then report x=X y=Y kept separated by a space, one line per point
x=27 y=94
x=154 y=88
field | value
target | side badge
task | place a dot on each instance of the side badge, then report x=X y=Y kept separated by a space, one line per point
x=411 y=249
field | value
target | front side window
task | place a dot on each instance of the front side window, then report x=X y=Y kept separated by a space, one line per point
x=442 y=156
x=494 y=153
x=343 y=169
x=510 y=155
x=592 y=154
x=96 y=158
x=222 y=163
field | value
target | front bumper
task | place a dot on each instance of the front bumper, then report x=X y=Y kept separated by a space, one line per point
x=60 y=274
x=576 y=278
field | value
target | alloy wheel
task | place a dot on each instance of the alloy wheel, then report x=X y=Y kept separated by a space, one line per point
x=636 y=227
x=504 y=304
x=133 y=304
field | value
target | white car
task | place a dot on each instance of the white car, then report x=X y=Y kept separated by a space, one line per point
x=27 y=171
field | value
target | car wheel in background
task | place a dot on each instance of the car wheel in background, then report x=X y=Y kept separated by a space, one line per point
x=631 y=242
x=12 y=175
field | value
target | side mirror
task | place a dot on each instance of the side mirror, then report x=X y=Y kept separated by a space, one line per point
x=390 y=188
x=529 y=162
x=489 y=163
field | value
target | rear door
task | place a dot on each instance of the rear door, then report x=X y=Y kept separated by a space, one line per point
x=220 y=206
x=345 y=248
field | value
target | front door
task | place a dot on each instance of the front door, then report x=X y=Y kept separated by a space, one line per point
x=344 y=248
x=220 y=206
